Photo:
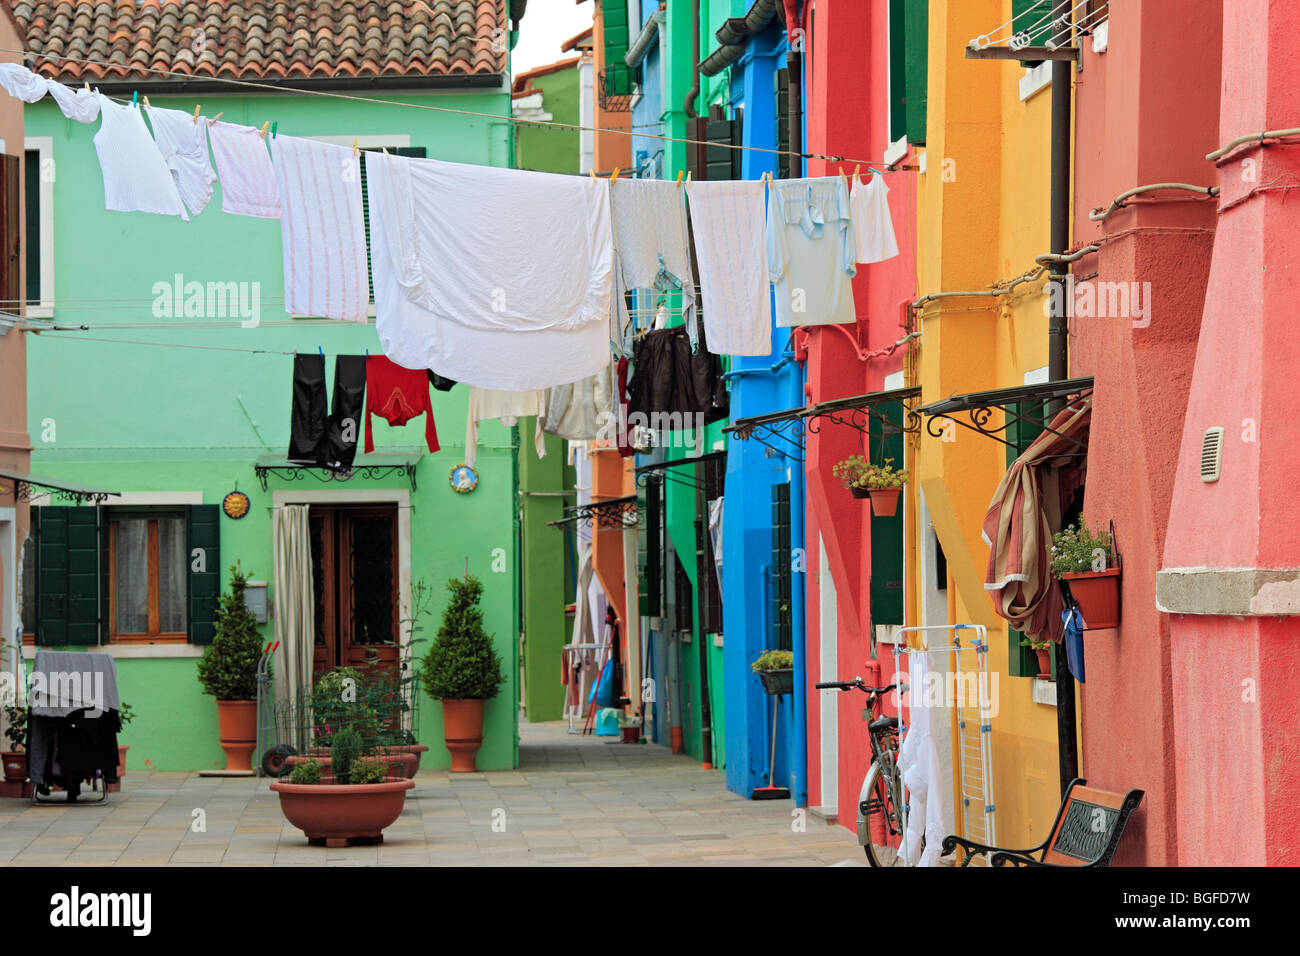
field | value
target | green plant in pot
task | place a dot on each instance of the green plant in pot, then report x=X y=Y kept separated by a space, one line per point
x=124 y=714
x=15 y=756
x=1089 y=565
x=775 y=668
x=228 y=672
x=462 y=669
x=1043 y=650
x=881 y=483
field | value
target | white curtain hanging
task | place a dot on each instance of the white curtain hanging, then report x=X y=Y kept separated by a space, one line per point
x=295 y=603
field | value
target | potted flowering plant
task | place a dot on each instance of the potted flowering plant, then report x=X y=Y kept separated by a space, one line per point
x=349 y=801
x=15 y=756
x=775 y=668
x=1044 y=651
x=1086 y=562
x=881 y=483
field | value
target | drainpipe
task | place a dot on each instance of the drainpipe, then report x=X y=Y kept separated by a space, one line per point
x=1058 y=351
x=695 y=63
x=703 y=638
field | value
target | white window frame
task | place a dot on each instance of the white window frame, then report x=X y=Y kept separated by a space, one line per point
x=43 y=146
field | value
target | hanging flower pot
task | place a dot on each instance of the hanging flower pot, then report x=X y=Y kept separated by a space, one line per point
x=884 y=501
x=857 y=492
x=1044 y=655
x=1097 y=594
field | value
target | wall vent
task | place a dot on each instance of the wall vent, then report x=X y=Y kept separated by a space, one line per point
x=1211 y=454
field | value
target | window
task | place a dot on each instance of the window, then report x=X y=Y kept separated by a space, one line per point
x=39 y=178
x=908 y=63
x=782 y=586
x=146 y=560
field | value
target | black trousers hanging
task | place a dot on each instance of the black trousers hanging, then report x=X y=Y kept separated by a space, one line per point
x=315 y=437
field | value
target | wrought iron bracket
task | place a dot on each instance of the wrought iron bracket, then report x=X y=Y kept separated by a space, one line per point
x=23 y=492
x=974 y=411
x=610 y=513
x=366 y=472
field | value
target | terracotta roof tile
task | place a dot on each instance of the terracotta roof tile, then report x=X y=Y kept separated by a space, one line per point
x=339 y=38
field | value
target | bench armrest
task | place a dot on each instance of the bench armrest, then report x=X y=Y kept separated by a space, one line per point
x=952 y=841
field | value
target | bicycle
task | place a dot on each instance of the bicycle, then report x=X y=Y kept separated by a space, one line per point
x=881 y=795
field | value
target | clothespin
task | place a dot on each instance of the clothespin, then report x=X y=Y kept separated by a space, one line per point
x=856 y=170
x=322 y=352
x=134 y=96
x=273 y=128
x=87 y=84
x=844 y=179
x=196 y=115
x=679 y=177
x=688 y=177
x=355 y=151
x=213 y=121
x=593 y=174
x=265 y=126
x=146 y=101
x=613 y=179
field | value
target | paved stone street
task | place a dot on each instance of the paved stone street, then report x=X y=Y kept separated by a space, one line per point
x=574 y=801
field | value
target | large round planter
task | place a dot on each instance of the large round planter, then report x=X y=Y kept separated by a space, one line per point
x=884 y=501
x=401 y=765
x=15 y=764
x=335 y=815
x=237 y=720
x=1097 y=594
x=462 y=730
x=778 y=681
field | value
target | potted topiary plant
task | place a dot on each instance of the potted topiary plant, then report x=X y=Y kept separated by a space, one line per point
x=228 y=672
x=351 y=803
x=1087 y=563
x=775 y=668
x=15 y=757
x=1043 y=649
x=462 y=670
x=881 y=483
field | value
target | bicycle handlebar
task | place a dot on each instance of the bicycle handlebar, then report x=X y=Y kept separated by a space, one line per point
x=852 y=685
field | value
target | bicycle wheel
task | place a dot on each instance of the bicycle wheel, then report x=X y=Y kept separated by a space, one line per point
x=881 y=806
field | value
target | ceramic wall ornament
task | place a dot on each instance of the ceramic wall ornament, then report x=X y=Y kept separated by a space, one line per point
x=464 y=479
x=235 y=505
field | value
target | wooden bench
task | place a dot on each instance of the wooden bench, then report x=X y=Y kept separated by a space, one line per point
x=1087 y=830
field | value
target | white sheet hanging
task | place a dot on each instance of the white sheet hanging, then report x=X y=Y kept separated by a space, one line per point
x=248 y=186
x=498 y=278
x=135 y=177
x=322 y=228
x=872 y=226
x=184 y=147
x=728 y=224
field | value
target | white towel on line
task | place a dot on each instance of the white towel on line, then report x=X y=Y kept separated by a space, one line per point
x=248 y=186
x=323 y=229
x=183 y=143
x=135 y=177
x=463 y=284
x=727 y=221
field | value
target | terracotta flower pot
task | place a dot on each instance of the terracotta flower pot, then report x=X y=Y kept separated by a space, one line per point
x=884 y=501
x=15 y=764
x=237 y=720
x=1044 y=662
x=462 y=730
x=1097 y=594
x=631 y=734
x=333 y=814
x=857 y=492
x=121 y=760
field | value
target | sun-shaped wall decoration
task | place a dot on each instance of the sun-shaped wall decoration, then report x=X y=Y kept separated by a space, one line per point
x=235 y=504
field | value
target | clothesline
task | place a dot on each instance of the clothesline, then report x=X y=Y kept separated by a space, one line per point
x=875 y=166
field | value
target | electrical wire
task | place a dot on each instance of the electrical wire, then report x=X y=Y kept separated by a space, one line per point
x=878 y=166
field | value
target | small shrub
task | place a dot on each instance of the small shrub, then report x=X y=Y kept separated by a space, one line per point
x=16 y=726
x=344 y=753
x=308 y=771
x=228 y=669
x=368 y=770
x=1075 y=548
x=462 y=664
x=773 y=660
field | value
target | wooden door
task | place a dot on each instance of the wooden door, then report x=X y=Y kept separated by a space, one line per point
x=354 y=563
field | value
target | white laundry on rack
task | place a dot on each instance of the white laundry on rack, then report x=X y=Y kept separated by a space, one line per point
x=183 y=142
x=135 y=177
x=581 y=411
x=872 y=226
x=811 y=251
x=727 y=223
x=81 y=105
x=22 y=83
x=918 y=761
x=322 y=229
x=488 y=403
x=248 y=186
x=498 y=278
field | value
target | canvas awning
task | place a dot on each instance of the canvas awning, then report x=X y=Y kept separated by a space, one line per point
x=1025 y=511
x=23 y=483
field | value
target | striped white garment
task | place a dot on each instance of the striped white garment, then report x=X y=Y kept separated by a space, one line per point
x=183 y=142
x=727 y=221
x=135 y=177
x=322 y=229
x=247 y=180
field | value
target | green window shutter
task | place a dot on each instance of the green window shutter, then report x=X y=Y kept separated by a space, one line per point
x=50 y=525
x=782 y=618
x=1028 y=13
x=1023 y=662
x=203 y=550
x=909 y=38
x=83 y=575
x=617 y=38
x=885 y=440
x=783 y=123
x=650 y=549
